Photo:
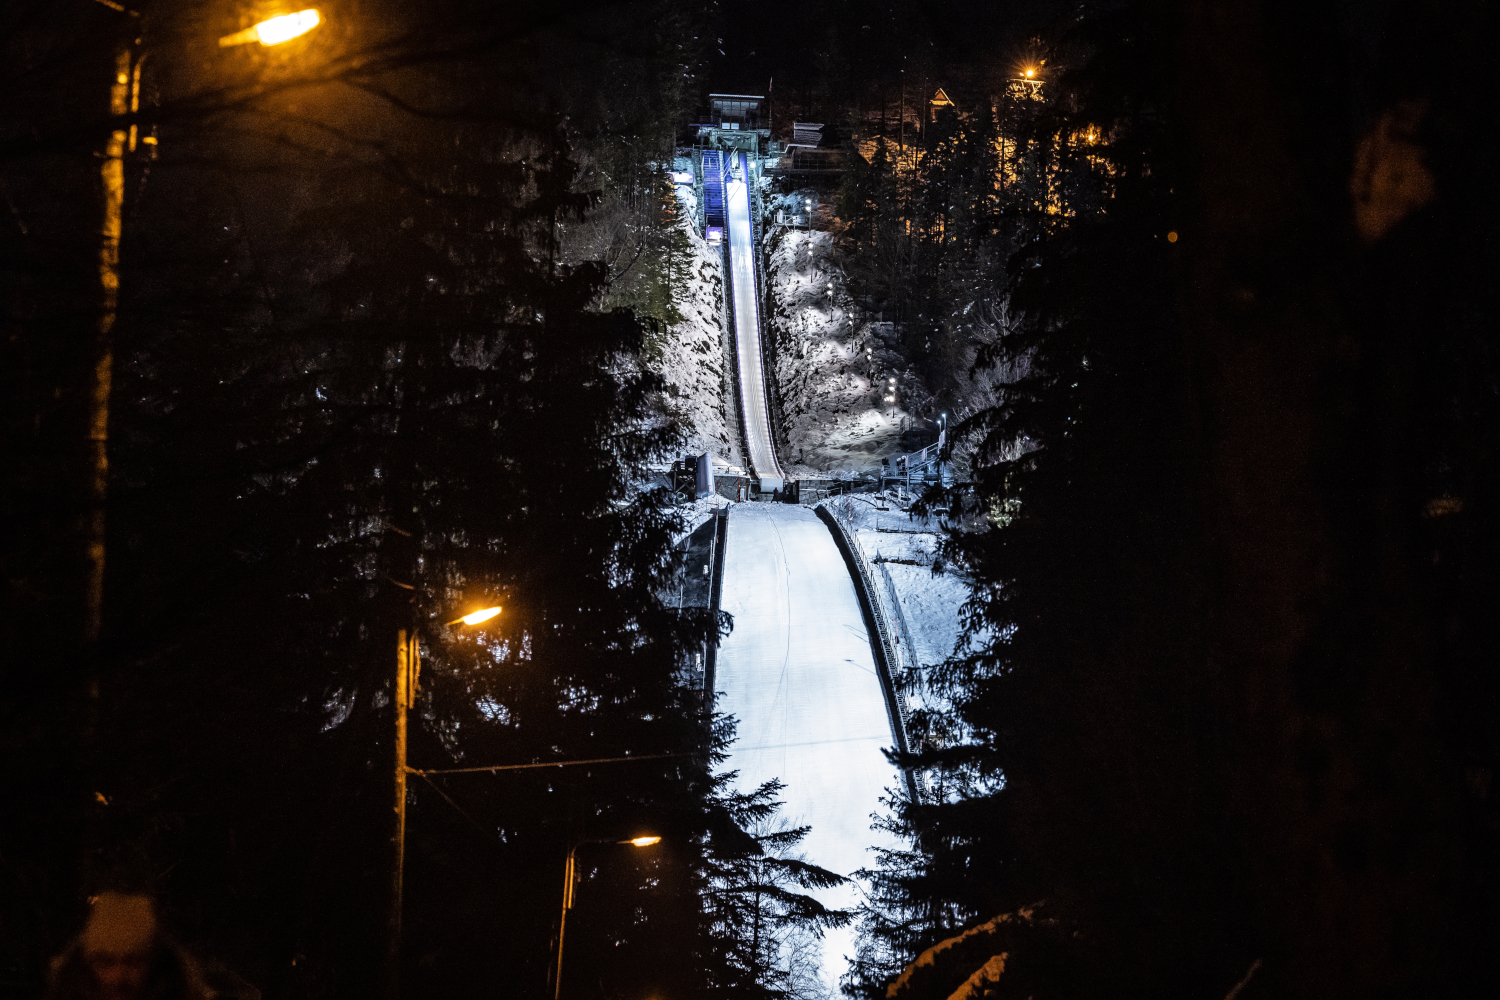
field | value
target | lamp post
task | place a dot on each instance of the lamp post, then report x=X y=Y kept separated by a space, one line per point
x=942 y=440
x=404 y=698
x=902 y=145
x=124 y=99
x=568 y=880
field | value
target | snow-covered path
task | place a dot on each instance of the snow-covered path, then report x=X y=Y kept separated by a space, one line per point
x=798 y=674
x=762 y=454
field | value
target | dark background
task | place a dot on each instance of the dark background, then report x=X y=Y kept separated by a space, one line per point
x=1232 y=525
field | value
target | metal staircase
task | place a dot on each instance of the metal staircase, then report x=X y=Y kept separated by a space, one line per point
x=713 y=190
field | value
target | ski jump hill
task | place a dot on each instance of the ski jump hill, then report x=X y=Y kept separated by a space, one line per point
x=801 y=670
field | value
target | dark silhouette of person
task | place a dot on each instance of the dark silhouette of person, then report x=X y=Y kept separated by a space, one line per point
x=123 y=954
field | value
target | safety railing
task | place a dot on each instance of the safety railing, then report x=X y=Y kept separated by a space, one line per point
x=887 y=660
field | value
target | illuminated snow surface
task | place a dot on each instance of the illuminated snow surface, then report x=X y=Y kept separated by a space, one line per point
x=762 y=454
x=798 y=674
x=691 y=355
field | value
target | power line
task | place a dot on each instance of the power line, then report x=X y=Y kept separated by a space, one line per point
x=556 y=763
x=621 y=760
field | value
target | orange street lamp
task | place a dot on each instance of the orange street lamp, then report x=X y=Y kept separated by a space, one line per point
x=482 y=615
x=568 y=879
x=124 y=98
x=408 y=671
x=275 y=30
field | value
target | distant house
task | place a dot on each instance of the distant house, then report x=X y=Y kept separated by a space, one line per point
x=1017 y=88
x=936 y=103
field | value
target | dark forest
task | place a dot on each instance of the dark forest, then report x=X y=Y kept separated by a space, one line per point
x=370 y=338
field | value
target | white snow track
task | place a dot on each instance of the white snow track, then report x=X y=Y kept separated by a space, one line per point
x=799 y=675
x=762 y=452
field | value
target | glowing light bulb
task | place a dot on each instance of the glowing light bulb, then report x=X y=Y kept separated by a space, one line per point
x=480 y=616
x=286 y=27
x=275 y=30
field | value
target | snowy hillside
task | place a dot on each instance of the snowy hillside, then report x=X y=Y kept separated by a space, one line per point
x=836 y=416
x=854 y=386
x=692 y=356
x=833 y=393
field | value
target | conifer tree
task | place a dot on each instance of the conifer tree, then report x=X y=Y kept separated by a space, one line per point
x=360 y=391
x=766 y=925
x=1188 y=671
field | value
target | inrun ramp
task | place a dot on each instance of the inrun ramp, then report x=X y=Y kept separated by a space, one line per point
x=799 y=675
x=753 y=407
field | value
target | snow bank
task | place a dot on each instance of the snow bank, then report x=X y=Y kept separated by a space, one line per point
x=923 y=595
x=695 y=514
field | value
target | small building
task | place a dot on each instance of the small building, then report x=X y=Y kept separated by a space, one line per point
x=936 y=103
x=808 y=134
x=738 y=111
x=735 y=125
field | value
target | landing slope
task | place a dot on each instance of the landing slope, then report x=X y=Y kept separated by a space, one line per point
x=798 y=673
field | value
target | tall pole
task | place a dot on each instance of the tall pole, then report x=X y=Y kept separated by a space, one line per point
x=942 y=440
x=568 y=881
x=112 y=178
x=124 y=98
x=562 y=924
x=400 y=701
